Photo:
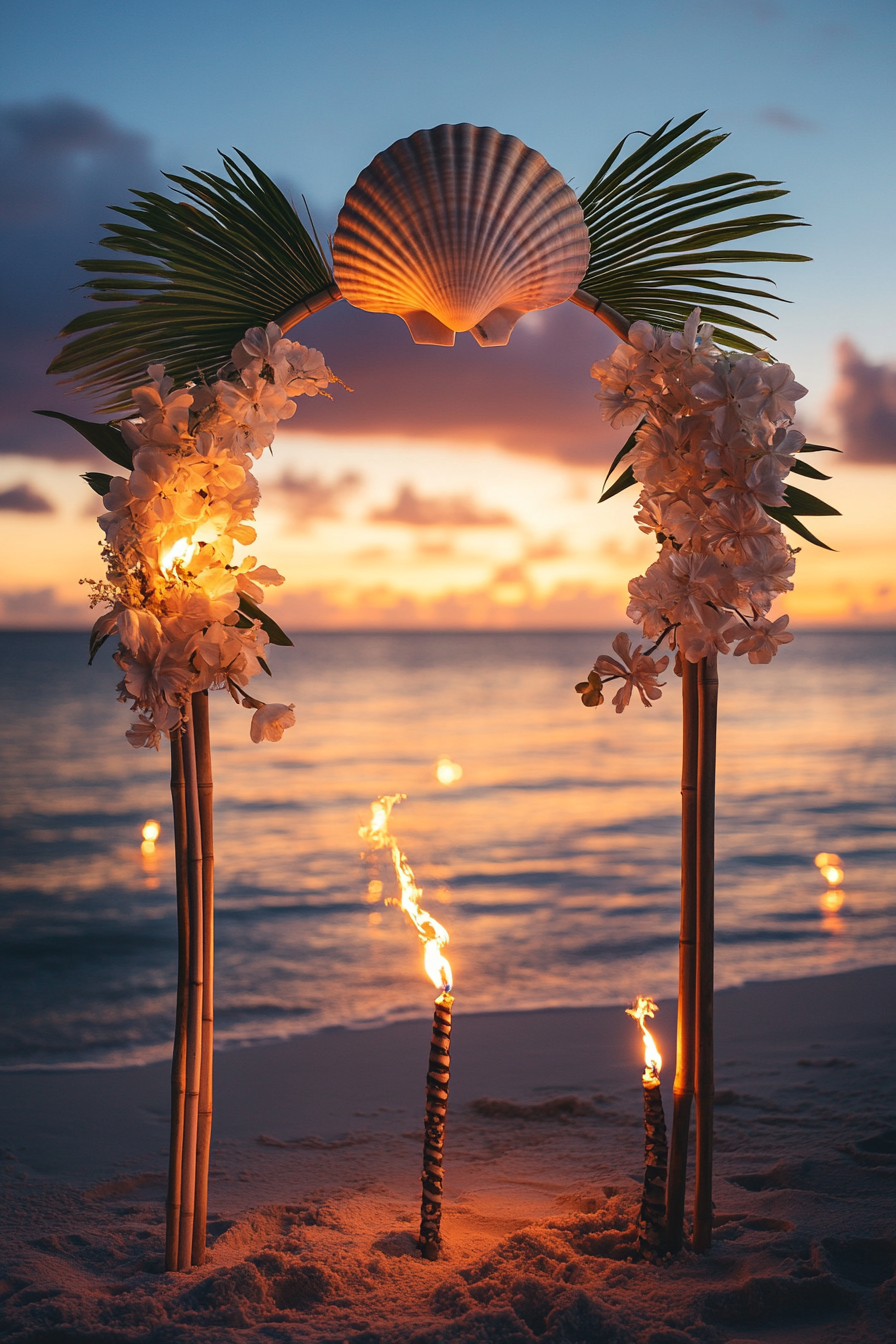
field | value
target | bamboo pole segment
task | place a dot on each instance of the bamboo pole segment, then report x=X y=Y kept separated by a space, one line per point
x=708 y=690
x=194 y=1001
x=179 y=1053
x=204 y=1131
x=434 y=1128
x=683 y=1091
x=291 y=317
x=615 y=321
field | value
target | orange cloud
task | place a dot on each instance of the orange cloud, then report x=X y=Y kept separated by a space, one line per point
x=439 y=511
x=308 y=497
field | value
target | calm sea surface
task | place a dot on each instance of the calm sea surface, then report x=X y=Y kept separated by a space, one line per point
x=553 y=861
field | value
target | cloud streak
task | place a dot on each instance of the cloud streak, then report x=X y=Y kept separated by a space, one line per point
x=439 y=511
x=24 y=499
x=308 y=498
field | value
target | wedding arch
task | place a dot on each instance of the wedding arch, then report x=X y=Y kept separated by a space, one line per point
x=459 y=228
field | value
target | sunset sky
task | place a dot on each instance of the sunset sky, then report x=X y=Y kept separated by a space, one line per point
x=452 y=487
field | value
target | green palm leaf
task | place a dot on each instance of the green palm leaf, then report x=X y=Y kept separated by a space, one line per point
x=199 y=272
x=655 y=248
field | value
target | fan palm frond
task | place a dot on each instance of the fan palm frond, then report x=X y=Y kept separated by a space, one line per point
x=233 y=255
x=655 y=248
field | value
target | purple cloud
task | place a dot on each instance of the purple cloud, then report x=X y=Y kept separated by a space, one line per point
x=863 y=401
x=23 y=499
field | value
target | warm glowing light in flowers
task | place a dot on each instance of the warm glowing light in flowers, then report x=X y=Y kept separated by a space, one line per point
x=448 y=771
x=180 y=554
x=653 y=1060
x=433 y=936
x=832 y=901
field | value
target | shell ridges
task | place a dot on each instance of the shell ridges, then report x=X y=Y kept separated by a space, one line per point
x=459 y=228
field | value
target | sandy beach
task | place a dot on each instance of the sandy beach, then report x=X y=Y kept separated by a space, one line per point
x=315 y=1186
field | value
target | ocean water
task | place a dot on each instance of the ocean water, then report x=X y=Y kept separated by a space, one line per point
x=553 y=861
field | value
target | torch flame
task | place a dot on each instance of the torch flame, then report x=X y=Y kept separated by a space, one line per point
x=432 y=934
x=653 y=1060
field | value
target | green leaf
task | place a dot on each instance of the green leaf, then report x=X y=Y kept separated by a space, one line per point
x=801 y=502
x=653 y=240
x=803 y=469
x=789 y=519
x=621 y=483
x=269 y=626
x=96 y=643
x=105 y=438
x=195 y=274
x=624 y=450
x=98 y=481
x=819 y=448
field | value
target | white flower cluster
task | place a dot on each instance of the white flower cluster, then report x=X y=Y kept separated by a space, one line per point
x=715 y=446
x=171 y=527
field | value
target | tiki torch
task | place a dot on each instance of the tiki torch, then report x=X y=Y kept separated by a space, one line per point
x=434 y=937
x=652 y=1222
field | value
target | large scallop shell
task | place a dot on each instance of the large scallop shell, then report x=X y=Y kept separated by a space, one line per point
x=459 y=229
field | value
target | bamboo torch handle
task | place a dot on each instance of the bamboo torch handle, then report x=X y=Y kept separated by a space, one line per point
x=683 y=1090
x=708 y=680
x=179 y=1053
x=437 y=1080
x=652 y=1224
x=204 y=1126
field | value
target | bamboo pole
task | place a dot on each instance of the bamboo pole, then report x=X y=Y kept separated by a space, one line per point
x=179 y=1053
x=204 y=1132
x=683 y=1091
x=708 y=689
x=615 y=321
x=194 y=1000
x=297 y=312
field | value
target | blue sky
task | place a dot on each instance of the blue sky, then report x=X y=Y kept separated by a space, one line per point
x=312 y=93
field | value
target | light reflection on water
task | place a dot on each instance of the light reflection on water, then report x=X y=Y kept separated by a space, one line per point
x=553 y=859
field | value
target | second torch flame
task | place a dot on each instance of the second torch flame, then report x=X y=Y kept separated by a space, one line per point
x=653 y=1060
x=433 y=936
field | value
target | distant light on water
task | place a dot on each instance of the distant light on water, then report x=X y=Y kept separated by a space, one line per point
x=829 y=866
x=151 y=832
x=448 y=771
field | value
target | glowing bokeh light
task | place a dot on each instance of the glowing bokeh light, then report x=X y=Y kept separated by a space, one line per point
x=832 y=901
x=826 y=860
x=448 y=771
x=832 y=875
x=151 y=830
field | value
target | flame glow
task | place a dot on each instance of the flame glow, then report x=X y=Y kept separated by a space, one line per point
x=653 y=1060
x=432 y=934
x=181 y=553
x=448 y=771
